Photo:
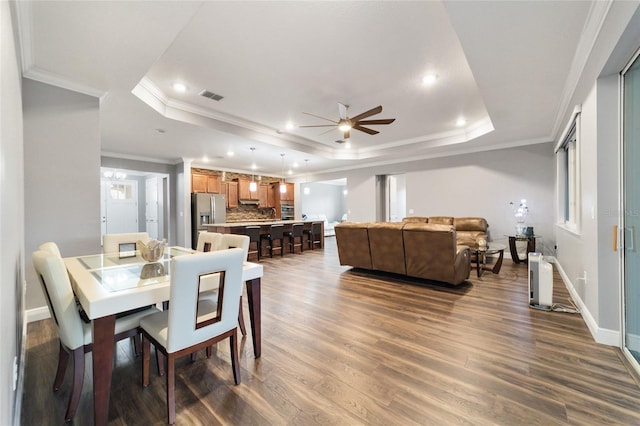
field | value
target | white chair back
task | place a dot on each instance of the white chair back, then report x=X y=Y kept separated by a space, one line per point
x=236 y=241
x=57 y=290
x=112 y=242
x=183 y=299
x=209 y=241
x=50 y=247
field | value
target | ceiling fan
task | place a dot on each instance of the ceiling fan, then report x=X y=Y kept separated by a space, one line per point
x=345 y=124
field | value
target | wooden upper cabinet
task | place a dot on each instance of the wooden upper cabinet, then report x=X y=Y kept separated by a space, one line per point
x=287 y=196
x=263 y=195
x=271 y=196
x=213 y=184
x=231 y=191
x=201 y=182
x=243 y=190
x=198 y=182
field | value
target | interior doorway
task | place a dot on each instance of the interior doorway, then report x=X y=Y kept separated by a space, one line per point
x=392 y=198
x=134 y=201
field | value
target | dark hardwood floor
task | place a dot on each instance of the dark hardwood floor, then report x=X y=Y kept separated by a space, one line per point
x=346 y=347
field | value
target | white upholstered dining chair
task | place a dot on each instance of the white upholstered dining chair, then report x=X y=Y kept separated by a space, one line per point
x=75 y=335
x=213 y=241
x=115 y=243
x=190 y=323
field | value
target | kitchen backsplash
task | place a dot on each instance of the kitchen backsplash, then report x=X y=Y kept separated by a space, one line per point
x=249 y=212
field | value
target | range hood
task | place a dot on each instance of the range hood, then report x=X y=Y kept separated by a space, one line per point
x=256 y=202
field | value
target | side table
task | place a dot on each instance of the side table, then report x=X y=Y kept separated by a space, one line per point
x=481 y=258
x=531 y=246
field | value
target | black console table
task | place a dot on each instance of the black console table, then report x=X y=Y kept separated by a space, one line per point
x=531 y=246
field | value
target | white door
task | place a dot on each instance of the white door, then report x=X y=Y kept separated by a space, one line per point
x=120 y=206
x=152 y=206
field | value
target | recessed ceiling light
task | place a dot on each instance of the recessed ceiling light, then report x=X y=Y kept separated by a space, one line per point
x=205 y=159
x=429 y=79
x=179 y=87
x=229 y=153
x=461 y=122
x=347 y=144
x=295 y=165
x=289 y=125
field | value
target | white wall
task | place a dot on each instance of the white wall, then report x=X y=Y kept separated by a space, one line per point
x=590 y=249
x=484 y=184
x=62 y=174
x=11 y=222
x=480 y=184
x=323 y=199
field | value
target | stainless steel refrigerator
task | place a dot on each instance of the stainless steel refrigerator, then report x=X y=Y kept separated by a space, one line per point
x=206 y=209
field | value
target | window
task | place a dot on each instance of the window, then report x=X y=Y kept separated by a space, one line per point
x=568 y=175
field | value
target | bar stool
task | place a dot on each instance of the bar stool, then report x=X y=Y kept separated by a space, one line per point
x=276 y=233
x=253 y=232
x=296 y=232
x=313 y=235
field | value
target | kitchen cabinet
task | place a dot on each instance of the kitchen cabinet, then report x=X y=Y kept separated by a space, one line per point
x=271 y=196
x=201 y=182
x=243 y=190
x=263 y=195
x=231 y=191
x=287 y=196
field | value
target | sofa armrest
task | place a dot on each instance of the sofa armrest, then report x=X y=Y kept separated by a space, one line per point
x=462 y=264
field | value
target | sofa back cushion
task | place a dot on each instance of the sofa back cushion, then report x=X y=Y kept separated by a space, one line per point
x=441 y=220
x=413 y=219
x=470 y=224
x=352 y=239
x=430 y=251
x=387 y=248
x=470 y=229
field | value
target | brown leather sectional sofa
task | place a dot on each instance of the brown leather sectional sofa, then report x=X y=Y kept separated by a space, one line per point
x=428 y=248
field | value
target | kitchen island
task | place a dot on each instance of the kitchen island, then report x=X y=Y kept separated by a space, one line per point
x=265 y=225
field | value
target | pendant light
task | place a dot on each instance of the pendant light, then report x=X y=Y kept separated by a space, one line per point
x=283 y=186
x=253 y=186
x=306 y=190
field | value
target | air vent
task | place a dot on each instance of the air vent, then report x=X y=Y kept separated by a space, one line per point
x=211 y=95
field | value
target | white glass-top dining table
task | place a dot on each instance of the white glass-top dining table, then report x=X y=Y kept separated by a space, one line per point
x=109 y=284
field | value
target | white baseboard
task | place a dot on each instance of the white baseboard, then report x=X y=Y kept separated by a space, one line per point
x=37 y=314
x=603 y=336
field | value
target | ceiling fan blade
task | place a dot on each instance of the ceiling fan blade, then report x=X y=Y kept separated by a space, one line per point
x=372 y=111
x=366 y=130
x=380 y=121
x=342 y=110
x=320 y=125
x=326 y=131
x=318 y=116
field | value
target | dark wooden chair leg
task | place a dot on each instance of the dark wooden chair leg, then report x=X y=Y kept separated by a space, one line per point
x=171 y=389
x=146 y=349
x=63 y=360
x=160 y=361
x=235 y=365
x=243 y=327
x=137 y=344
x=78 y=381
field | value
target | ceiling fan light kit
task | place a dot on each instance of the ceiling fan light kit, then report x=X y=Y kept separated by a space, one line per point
x=345 y=124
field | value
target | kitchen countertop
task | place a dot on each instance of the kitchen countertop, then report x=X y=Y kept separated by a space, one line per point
x=257 y=223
